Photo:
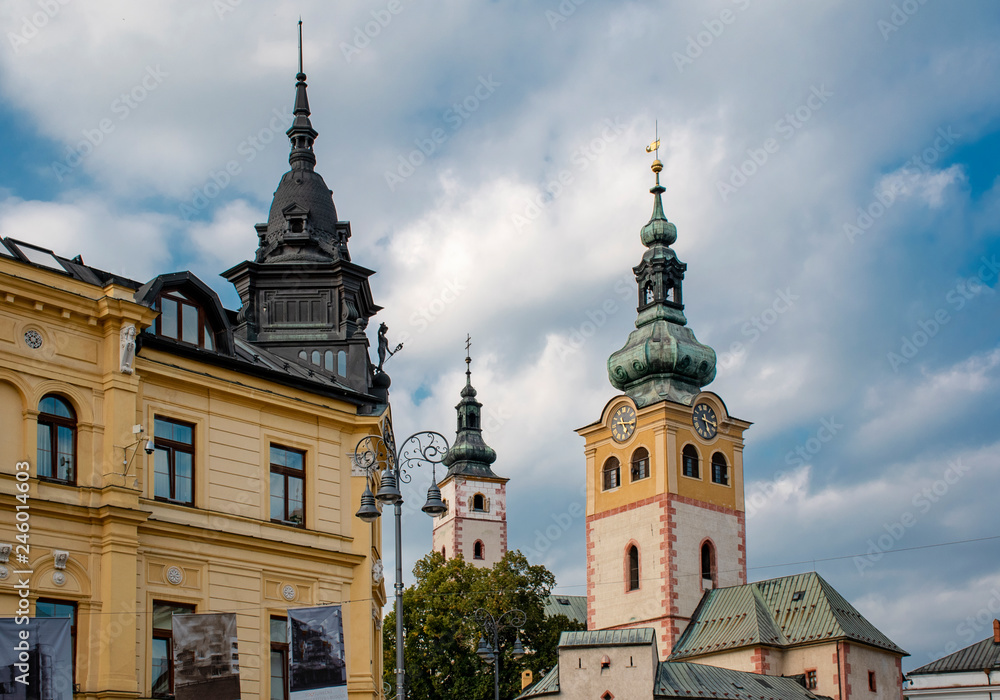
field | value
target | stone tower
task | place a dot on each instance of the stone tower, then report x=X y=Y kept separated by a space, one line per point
x=475 y=525
x=665 y=511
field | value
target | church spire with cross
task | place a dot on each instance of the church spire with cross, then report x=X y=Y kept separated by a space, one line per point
x=475 y=525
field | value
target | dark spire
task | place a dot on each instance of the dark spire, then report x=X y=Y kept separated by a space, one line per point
x=301 y=133
x=470 y=455
x=662 y=360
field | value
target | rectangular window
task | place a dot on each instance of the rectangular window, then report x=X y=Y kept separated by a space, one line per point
x=162 y=648
x=168 y=317
x=811 y=679
x=720 y=474
x=691 y=466
x=173 y=461
x=60 y=608
x=871 y=681
x=279 y=658
x=287 y=486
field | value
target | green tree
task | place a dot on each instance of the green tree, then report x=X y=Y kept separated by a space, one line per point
x=441 y=633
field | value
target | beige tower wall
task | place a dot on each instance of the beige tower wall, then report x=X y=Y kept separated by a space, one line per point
x=462 y=526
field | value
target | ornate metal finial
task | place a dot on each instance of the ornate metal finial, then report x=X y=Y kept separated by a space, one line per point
x=468 y=360
x=301 y=133
x=655 y=148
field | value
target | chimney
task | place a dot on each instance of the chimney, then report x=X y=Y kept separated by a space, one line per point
x=526 y=679
x=996 y=631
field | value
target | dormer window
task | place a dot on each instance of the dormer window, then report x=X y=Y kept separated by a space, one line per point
x=183 y=320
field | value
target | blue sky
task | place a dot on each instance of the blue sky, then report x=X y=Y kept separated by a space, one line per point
x=831 y=168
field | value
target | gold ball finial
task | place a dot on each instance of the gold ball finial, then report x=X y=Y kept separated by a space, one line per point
x=657 y=166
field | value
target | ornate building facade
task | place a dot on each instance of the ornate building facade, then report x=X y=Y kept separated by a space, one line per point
x=184 y=457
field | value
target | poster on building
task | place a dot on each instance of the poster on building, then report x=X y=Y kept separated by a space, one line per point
x=206 y=660
x=317 y=667
x=36 y=658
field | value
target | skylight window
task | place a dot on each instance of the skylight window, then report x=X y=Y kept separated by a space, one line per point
x=40 y=256
x=798 y=595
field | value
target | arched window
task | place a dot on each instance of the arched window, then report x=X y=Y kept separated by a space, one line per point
x=479 y=503
x=647 y=294
x=443 y=553
x=303 y=355
x=707 y=566
x=328 y=360
x=640 y=464
x=342 y=363
x=477 y=550
x=56 y=440
x=633 y=568
x=315 y=357
x=689 y=458
x=612 y=473
x=720 y=470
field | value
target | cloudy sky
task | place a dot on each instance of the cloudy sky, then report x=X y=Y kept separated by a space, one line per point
x=831 y=168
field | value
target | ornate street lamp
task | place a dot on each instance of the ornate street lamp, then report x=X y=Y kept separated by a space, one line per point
x=491 y=627
x=426 y=447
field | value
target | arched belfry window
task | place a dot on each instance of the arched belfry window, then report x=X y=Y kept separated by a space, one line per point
x=647 y=293
x=689 y=460
x=640 y=464
x=56 y=440
x=612 y=473
x=478 y=550
x=633 y=568
x=707 y=566
x=479 y=503
x=720 y=470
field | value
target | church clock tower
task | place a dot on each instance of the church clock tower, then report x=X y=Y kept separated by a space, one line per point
x=665 y=510
x=475 y=525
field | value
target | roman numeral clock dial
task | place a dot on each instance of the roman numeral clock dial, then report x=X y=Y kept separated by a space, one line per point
x=623 y=423
x=704 y=421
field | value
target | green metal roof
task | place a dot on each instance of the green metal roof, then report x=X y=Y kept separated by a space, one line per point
x=547 y=686
x=779 y=612
x=678 y=679
x=572 y=606
x=978 y=657
x=608 y=638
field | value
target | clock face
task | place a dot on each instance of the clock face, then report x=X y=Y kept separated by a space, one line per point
x=704 y=421
x=623 y=423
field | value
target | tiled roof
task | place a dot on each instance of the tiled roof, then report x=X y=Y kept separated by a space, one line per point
x=678 y=679
x=572 y=606
x=978 y=657
x=607 y=638
x=779 y=612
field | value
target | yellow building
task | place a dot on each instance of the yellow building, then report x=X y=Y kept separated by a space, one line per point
x=188 y=458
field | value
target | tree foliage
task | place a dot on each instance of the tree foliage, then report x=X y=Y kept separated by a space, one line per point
x=441 y=633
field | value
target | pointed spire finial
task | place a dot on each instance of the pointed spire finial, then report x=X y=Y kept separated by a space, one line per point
x=301 y=72
x=301 y=133
x=468 y=360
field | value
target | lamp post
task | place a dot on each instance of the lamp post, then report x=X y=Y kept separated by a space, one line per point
x=491 y=627
x=426 y=447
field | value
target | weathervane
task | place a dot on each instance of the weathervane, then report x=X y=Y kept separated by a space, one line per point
x=655 y=146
